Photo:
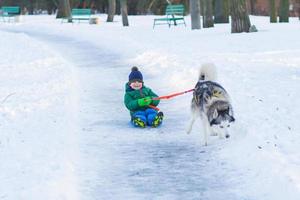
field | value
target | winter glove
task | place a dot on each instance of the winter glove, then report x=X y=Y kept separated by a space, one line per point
x=144 y=101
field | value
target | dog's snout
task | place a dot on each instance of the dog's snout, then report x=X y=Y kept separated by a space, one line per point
x=227 y=136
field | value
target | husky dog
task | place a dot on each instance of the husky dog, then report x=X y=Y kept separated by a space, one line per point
x=211 y=102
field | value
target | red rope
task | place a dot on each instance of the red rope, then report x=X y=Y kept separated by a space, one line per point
x=169 y=97
x=172 y=95
x=154 y=107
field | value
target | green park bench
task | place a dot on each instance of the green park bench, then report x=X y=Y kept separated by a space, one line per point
x=10 y=12
x=174 y=16
x=79 y=14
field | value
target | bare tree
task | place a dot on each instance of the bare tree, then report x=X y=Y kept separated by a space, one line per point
x=240 y=21
x=221 y=11
x=111 y=10
x=298 y=8
x=273 y=15
x=82 y=4
x=207 y=6
x=64 y=9
x=252 y=3
x=298 y=1
x=195 y=14
x=284 y=11
x=124 y=12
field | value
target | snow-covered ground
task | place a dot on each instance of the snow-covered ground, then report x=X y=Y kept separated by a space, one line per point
x=65 y=133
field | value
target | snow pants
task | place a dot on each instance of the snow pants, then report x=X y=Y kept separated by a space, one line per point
x=147 y=116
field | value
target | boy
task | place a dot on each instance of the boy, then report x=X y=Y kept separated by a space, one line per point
x=138 y=100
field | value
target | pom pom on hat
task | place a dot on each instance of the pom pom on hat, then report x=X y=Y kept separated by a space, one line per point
x=134 y=68
x=135 y=75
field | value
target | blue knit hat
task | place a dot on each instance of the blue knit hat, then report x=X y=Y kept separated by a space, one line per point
x=135 y=75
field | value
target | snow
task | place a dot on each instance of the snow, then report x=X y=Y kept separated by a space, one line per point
x=65 y=133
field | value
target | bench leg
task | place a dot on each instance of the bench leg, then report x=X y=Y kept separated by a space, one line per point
x=175 y=23
x=154 y=23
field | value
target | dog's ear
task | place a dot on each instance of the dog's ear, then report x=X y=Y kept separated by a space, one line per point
x=215 y=114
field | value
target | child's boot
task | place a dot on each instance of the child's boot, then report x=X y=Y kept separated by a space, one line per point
x=158 y=119
x=138 y=122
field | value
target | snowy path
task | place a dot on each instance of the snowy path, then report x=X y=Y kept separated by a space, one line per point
x=65 y=132
x=118 y=161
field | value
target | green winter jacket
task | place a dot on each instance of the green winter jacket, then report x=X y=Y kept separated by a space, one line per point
x=131 y=97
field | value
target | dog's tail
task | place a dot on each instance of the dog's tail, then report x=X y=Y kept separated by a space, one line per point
x=208 y=72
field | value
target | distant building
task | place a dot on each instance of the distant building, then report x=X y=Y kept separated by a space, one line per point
x=261 y=7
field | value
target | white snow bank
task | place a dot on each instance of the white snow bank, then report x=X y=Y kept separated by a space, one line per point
x=37 y=126
x=259 y=70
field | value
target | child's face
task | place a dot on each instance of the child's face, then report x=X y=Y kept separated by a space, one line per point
x=136 y=85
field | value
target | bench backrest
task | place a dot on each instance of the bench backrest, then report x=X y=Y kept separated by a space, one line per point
x=10 y=10
x=175 y=9
x=81 y=11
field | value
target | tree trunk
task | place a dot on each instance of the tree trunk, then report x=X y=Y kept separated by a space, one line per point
x=273 y=16
x=221 y=11
x=150 y=6
x=111 y=10
x=64 y=9
x=299 y=9
x=124 y=12
x=240 y=21
x=82 y=4
x=50 y=7
x=195 y=14
x=30 y=9
x=208 y=20
x=252 y=7
x=284 y=11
